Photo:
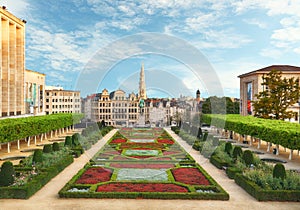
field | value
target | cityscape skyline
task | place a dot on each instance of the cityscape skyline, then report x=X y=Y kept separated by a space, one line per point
x=235 y=36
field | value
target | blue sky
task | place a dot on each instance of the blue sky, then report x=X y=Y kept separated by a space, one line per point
x=67 y=38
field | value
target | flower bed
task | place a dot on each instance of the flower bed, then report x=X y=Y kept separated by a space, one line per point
x=141 y=187
x=118 y=141
x=95 y=175
x=165 y=141
x=143 y=170
x=190 y=176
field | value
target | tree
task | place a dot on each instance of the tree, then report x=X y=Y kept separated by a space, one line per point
x=177 y=117
x=215 y=105
x=279 y=94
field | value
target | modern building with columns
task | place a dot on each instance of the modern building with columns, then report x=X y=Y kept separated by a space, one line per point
x=34 y=92
x=12 y=64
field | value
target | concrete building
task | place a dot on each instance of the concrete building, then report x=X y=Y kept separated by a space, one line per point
x=251 y=84
x=59 y=100
x=12 y=64
x=34 y=92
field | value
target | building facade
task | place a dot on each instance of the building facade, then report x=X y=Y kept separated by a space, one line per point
x=120 y=109
x=34 y=92
x=12 y=64
x=58 y=100
x=251 y=84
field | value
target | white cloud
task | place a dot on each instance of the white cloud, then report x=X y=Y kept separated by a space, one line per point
x=200 y=22
x=256 y=22
x=290 y=21
x=19 y=8
x=222 y=39
x=271 y=53
x=290 y=34
x=297 y=50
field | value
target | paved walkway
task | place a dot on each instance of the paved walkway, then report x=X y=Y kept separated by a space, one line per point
x=47 y=197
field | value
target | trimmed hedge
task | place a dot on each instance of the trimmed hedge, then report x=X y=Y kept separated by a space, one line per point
x=232 y=171
x=278 y=132
x=38 y=181
x=266 y=195
x=216 y=161
x=13 y=129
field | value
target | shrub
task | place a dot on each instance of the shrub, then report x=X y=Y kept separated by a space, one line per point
x=204 y=136
x=75 y=139
x=237 y=152
x=200 y=133
x=68 y=141
x=279 y=171
x=37 y=156
x=248 y=157
x=47 y=148
x=228 y=147
x=55 y=146
x=7 y=174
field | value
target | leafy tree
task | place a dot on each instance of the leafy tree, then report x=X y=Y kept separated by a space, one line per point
x=279 y=94
x=177 y=117
x=216 y=105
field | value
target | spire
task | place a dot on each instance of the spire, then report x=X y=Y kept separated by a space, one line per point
x=142 y=85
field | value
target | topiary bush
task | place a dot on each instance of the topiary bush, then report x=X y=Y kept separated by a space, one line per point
x=68 y=141
x=7 y=174
x=279 y=171
x=204 y=136
x=75 y=139
x=228 y=148
x=37 y=156
x=47 y=148
x=55 y=147
x=237 y=152
x=248 y=157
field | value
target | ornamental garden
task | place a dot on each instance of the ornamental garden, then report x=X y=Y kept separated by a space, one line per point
x=143 y=163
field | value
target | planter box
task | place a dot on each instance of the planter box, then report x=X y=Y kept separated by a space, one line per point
x=266 y=195
x=25 y=191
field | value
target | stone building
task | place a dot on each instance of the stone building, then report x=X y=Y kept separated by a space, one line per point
x=59 y=100
x=12 y=64
x=118 y=109
x=34 y=92
x=251 y=84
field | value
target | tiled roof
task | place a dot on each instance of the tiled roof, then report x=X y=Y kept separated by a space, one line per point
x=282 y=68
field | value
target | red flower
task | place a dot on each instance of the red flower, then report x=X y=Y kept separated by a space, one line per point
x=95 y=175
x=118 y=141
x=189 y=176
x=141 y=187
x=165 y=141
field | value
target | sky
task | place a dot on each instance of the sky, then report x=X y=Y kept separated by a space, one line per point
x=185 y=45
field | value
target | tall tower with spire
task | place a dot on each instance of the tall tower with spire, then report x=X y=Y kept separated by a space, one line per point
x=142 y=84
